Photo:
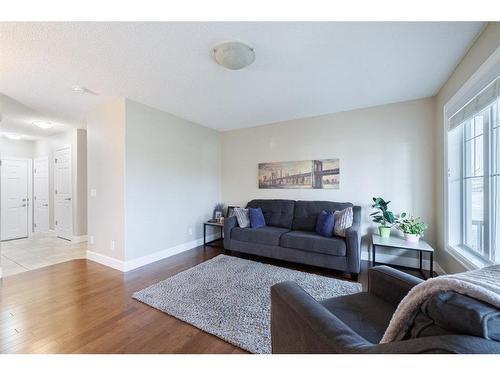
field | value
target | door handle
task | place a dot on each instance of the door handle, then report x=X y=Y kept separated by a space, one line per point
x=24 y=199
x=45 y=205
x=23 y=205
x=67 y=199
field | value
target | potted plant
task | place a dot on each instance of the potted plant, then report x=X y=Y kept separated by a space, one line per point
x=412 y=227
x=383 y=216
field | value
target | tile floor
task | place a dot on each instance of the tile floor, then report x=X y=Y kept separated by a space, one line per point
x=38 y=251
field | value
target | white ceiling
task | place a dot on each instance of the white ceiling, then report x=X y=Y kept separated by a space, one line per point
x=302 y=69
x=17 y=118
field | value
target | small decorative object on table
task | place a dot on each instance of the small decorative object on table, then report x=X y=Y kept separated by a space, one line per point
x=230 y=210
x=383 y=216
x=218 y=211
x=412 y=227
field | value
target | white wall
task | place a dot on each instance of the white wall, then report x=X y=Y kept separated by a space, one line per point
x=384 y=151
x=106 y=174
x=10 y=148
x=172 y=179
x=156 y=177
x=484 y=46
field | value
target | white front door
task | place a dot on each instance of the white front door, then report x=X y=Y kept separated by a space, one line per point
x=41 y=194
x=14 y=199
x=63 y=205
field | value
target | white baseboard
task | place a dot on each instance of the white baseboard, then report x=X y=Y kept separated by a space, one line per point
x=106 y=260
x=162 y=254
x=132 y=264
x=78 y=239
x=404 y=261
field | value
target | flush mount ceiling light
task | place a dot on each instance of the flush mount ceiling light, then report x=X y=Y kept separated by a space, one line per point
x=234 y=55
x=12 y=136
x=43 y=124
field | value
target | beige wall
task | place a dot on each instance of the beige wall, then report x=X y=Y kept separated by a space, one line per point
x=81 y=183
x=172 y=179
x=484 y=46
x=106 y=174
x=384 y=151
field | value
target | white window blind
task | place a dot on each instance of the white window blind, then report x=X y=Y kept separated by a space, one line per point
x=485 y=98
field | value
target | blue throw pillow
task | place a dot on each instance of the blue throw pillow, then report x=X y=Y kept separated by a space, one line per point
x=256 y=218
x=325 y=224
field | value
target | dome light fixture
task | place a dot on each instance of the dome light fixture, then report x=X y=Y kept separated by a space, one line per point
x=43 y=124
x=234 y=55
x=13 y=136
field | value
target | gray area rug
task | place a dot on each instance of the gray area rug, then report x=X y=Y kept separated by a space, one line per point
x=230 y=297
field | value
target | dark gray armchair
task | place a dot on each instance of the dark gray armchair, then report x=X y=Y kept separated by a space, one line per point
x=447 y=322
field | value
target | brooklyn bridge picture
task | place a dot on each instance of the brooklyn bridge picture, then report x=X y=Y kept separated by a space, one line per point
x=306 y=174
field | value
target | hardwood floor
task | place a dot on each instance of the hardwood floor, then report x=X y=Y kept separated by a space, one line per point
x=83 y=307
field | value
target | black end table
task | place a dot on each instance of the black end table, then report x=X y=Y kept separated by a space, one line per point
x=212 y=224
x=400 y=243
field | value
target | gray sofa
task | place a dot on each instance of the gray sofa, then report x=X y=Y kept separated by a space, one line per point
x=447 y=323
x=290 y=235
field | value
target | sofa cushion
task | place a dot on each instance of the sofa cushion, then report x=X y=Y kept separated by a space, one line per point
x=310 y=241
x=264 y=235
x=277 y=212
x=306 y=213
x=364 y=313
x=454 y=313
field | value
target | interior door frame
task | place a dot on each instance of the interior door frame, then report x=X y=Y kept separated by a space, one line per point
x=48 y=192
x=29 y=180
x=71 y=189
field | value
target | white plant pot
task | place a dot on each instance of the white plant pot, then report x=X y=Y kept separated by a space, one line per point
x=412 y=237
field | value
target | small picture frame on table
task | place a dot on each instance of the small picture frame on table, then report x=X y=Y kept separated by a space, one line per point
x=230 y=211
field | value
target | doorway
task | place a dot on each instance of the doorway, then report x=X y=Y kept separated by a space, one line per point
x=63 y=206
x=15 y=188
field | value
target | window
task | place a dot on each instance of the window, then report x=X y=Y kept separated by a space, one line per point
x=474 y=177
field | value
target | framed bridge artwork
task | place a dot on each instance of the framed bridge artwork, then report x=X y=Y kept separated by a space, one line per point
x=305 y=174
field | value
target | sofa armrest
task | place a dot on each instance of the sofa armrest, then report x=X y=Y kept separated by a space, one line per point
x=229 y=224
x=300 y=324
x=390 y=284
x=352 y=241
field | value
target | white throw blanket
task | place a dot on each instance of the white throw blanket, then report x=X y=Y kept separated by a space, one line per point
x=481 y=284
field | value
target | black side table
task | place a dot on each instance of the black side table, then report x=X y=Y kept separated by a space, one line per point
x=212 y=224
x=400 y=243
